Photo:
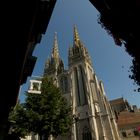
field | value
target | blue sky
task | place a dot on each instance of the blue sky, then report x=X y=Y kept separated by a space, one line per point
x=110 y=62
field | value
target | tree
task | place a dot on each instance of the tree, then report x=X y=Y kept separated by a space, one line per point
x=45 y=114
x=18 y=121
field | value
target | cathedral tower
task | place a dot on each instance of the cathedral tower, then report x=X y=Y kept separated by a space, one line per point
x=92 y=115
x=54 y=64
x=90 y=107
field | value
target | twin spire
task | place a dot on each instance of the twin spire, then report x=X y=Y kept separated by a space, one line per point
x=76 y=41
x=55 y=62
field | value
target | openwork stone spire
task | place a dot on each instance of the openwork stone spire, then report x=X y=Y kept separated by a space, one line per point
x=55 y=52
x=76 y=39
x=54 y=64
x=78 y=52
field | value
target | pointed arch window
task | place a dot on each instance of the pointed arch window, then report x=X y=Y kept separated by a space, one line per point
x=82 y=74
x=64 y=84
x=77 y=87
x=86 y=135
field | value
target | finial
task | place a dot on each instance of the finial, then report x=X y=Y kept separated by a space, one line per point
x=55 y=35
x=55 y=39
x=76 y=37
x=55 y=46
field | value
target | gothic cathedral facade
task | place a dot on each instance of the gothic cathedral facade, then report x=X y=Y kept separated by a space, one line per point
x=93 y=118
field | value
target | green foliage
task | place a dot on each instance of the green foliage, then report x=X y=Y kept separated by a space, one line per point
x=46 y=113
x=18 y=121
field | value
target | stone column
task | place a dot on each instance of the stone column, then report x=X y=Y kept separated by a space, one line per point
x=93 y=123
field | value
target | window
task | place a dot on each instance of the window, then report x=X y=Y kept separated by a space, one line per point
x=124 y=134
x=136 y=133
x=77 y=87
x=83 y=85
x=64 y=84
x=86 y=135
x=36 y=86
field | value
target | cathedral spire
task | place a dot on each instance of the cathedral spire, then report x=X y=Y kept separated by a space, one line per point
x=78 y=51
x=76 y=39
x=55 y=52
x=54 y=64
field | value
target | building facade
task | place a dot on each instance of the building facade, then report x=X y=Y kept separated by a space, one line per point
x=92 y=115
x=127 y=118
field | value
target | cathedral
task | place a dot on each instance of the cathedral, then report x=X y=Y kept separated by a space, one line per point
x=93 y=117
